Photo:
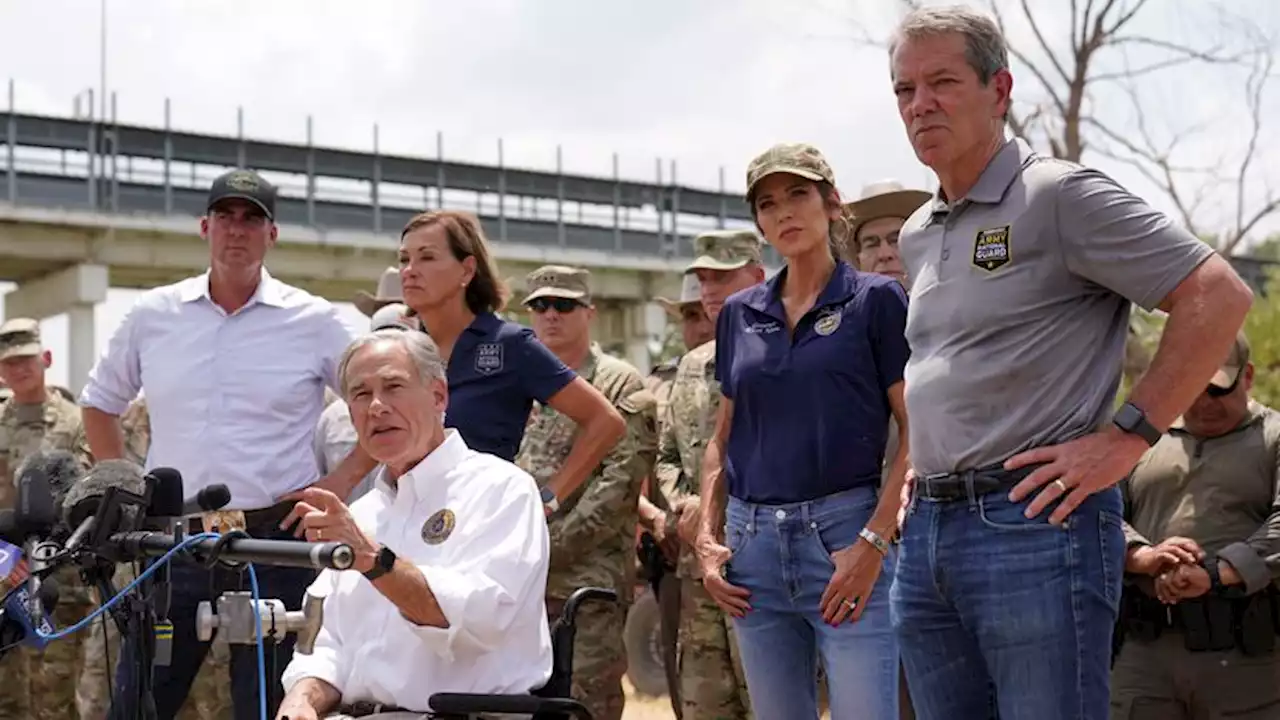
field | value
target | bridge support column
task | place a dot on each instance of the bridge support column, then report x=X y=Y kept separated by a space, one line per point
x=74 y=291
x=639 y=331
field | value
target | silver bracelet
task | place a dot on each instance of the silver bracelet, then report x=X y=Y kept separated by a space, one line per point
x=876 y=541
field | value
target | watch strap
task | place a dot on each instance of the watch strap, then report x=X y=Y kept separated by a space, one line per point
x=382 y=563
x=1140 y=426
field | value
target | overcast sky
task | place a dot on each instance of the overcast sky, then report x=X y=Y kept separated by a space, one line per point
x=708 y=83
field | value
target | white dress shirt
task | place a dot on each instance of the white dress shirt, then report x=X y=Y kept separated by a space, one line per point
x=489 y=576
x=234 y=398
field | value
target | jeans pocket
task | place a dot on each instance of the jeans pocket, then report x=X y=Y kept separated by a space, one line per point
x=1111 y=544
x=998 y=513
x=835 y=533
x=735 y=537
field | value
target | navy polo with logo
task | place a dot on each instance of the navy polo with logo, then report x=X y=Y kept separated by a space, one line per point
x=810 y=408
x=496 y=371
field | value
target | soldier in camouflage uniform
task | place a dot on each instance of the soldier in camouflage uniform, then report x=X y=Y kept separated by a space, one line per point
x=712 y=684
x=593 y=533
x=210 y=697
x=39 y=685
x=695 y=329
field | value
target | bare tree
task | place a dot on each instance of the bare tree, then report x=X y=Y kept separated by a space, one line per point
x=1075 y=78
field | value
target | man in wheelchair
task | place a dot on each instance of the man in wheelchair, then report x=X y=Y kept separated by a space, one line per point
x=446 y=594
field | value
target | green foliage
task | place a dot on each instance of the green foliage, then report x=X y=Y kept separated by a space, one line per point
x=1263 y=328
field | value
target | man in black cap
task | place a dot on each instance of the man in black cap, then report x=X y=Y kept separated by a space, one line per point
x=234 y=364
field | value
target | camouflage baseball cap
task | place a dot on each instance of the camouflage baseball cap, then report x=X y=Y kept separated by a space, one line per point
x=1227 y=375
x=559 y=281
x=792 y=158
x=725 y=250
x=20 y=337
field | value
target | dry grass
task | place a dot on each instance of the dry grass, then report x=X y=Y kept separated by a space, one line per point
x=642 y=707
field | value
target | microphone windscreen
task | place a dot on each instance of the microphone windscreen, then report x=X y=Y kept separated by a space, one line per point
x=83 y=498
x=61 y=468
x=166 y=493
x=213 y=497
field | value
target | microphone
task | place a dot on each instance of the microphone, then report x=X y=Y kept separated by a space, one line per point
x=87 y=499
x=128 y=546
x=37 y=513
x=19 y=625
x=167 y=496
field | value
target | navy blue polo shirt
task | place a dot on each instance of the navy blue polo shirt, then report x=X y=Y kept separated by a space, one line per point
x=496 y=371
x=810 y=409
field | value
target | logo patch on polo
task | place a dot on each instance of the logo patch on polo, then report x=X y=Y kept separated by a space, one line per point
x=489 y=358
x=991 y=249
x=827 y=323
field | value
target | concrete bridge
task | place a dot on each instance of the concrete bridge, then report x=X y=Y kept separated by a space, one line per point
x=86 y=205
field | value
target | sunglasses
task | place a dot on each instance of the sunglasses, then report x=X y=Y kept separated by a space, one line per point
x=561 y=305
x=1214 y=391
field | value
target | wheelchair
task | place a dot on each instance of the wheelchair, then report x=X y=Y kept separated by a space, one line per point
x=550 y=702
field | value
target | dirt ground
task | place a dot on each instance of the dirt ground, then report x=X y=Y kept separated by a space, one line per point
x=640 y=707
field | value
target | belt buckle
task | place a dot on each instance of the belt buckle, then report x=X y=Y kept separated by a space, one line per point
x=223 y=521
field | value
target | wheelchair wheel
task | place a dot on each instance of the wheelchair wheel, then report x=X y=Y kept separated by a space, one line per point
x=643 y=638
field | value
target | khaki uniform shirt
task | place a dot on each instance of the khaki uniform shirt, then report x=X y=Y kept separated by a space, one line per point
x=1220 y=492
x=28 y=429
x=691 y=419
x=593 y=534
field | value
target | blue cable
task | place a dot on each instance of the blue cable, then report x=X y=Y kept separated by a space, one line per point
x=262 y=662
x=189 y=541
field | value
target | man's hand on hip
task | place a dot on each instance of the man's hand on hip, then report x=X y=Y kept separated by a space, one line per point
x=1075 y=470
x=322 y=517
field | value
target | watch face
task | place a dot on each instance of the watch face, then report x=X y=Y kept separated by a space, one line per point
x=1127 y=417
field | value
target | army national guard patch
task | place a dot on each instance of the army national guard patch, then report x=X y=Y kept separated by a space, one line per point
x=438 y=527
x=991 y=249
x=489 y=358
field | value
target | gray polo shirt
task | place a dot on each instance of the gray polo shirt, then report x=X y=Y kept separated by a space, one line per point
x=1020 y=303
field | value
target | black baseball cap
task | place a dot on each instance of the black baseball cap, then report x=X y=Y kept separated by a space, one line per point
x=244 y=185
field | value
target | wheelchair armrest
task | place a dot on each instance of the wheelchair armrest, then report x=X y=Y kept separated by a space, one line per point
x=467 y=704
x=580 y=596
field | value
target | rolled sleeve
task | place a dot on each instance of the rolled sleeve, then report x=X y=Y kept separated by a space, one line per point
x=1115 y=239
x=116 y=378
x=335 y=338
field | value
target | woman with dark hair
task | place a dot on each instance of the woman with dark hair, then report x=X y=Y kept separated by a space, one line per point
x=495 y=368
x=810 y=365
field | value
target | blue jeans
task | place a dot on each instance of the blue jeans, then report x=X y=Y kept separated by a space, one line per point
x=192 y=583
x=1001 y=616
x=782 y=556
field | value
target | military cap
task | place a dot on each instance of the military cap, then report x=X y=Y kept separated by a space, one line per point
x=1229 y=373
x=690 y=292
x=243 y=185
x=559 y=281
x=725 y=250
x=20 y=337
x=792 y=158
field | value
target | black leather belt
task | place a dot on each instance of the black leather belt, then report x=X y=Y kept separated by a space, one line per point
x=945 y=487
x=365 y=708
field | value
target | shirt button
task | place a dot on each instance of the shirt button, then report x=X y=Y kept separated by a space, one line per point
x=781 y=514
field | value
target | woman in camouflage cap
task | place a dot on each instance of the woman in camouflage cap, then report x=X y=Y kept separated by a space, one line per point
x=811 y=365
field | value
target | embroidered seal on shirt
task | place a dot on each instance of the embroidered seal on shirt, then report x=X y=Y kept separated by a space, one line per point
x=489 y=358
x=827 y=322
x=438 y=527
x=991 y=249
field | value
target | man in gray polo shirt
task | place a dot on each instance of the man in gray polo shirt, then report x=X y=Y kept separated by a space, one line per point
x=1023 y=272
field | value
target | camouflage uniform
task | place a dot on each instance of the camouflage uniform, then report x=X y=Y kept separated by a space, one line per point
x=40 y=685
x=712 y=684
x=210 y=696
x=593 y=533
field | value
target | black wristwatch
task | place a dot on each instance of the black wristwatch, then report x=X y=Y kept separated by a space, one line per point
x=382 y=563
x=1132 y=420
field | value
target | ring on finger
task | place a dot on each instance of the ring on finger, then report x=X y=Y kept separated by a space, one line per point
x=1060 y=485
x=852 y=604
